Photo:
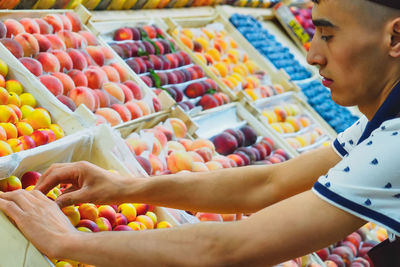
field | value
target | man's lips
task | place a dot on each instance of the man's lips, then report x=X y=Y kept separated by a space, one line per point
x=326 y=81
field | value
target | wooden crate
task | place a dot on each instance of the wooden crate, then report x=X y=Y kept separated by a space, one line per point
x=227 y=11
x=99 y=16
x=99 y=145
x=105 y=30
x=234 y=115
x=276 y=76
x=85 y=115
x=306 y=109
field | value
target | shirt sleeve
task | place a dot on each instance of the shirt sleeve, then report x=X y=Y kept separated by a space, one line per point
x=366 y=183
x=348 y=139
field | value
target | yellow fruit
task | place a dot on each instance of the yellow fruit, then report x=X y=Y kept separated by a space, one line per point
x=27 y=99
x=26 y=110
x=39 y=118
x=58 y=132
x=3 y=68
x=14 y=86
x=14 y=99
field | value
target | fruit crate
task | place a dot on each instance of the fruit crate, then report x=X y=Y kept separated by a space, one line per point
x=295 y=121
x=222 y=36
x=148 y=95
x=100 y=16
x=175 y=77
x=235 y=116
x=99 y=145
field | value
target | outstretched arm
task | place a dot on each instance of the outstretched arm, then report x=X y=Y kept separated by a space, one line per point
x=245 y=189
x=288 y=229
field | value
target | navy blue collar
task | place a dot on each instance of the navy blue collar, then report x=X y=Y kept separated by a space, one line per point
x=390 y=109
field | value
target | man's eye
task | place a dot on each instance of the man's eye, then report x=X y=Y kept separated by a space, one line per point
x=326 y=38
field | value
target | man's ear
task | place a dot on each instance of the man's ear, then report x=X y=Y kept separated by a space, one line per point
x=395 y=40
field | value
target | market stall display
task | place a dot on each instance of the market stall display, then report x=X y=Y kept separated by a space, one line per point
x=152 y=54
x=75 y=67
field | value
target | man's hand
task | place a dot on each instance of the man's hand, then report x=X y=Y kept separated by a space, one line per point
x=89 y=184
x=39 y=219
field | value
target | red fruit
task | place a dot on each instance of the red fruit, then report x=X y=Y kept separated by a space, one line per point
x=195 y=90
x=323 y=253
x=208 y=101
x=249 y=134
x=225 y=143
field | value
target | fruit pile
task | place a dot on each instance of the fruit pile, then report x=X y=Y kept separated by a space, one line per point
x=298 y=129
x=22 y=125
x=319 y=97
x=72 y=65
x=155 y=58
x=304 y=17
x=88 y=217
x=216 y=49
x=268 y=46
x=350 y=252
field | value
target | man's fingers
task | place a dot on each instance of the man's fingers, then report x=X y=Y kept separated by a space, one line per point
x=68 y=199
x=10 y=208
x=20 y=197
x=64 y=174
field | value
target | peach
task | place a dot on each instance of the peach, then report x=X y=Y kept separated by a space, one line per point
x=134 y=109
x=156 y=104
x=120 y=219
x=225 y=161
x=152 y=216
x=199 y=143
x=83 y=95
x=16 y=109
x=163 y=224
x=56 y=42
x=39 y=118
x=123 y=72
x=89 y=37
x=159 y=135
x=78 y=77
x=66 y=81
x=128 y=210
x=34 y=66
x=3 y=134
x=72 y=212
x=82 y=43
x=95 y=78
x=135 y=89
x=136 y=145
x=96 y=54
x=88 y=211
x=3 y=30
x=14 y=99
x=30 y=178
x=10 y=183
x=84 y=229
x=7 y=114
x=67 y=26
x=67 y=101
x=112 y=73
x=127 y=92
x=146 y=220
x=49 y=62
x=110 y=115
x=199 y=167
x=137 y=226
x=64 y=60
x=2 y=80
x=53 y=84
x=123 y=111
x=78 y=59
x=107 y=52
x=109 y=213
x=27 y=142
x=175 y=146
x=214 y=165
x=104 y=99
x=123 y=34
x=238 y=135
x=44 y=27
x=103 y=224
x=225 y=143
x=15 y=144
x=205 y=153
x=13 y=27
x=156 y=164
x=29 y=44
x=145 y=163
x=11 y=129
x=30 y=25
x=14 y=86
x=141 y=208
x=40 y=137
x=88 y=224
x=249 y=134
x=57 y=130
x=5 y=149
x=144 y=107
x=203 y=216
x=122 y=228
x=3 y=96
x=55 y=21
x=168 y=133
x=13 y=46
x=196 y=157
x=75 y=21
x=51 y=135
x=228 y=217
x=114 y=90
x=178 y=161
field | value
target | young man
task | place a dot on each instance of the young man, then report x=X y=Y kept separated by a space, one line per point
x=357 y=47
